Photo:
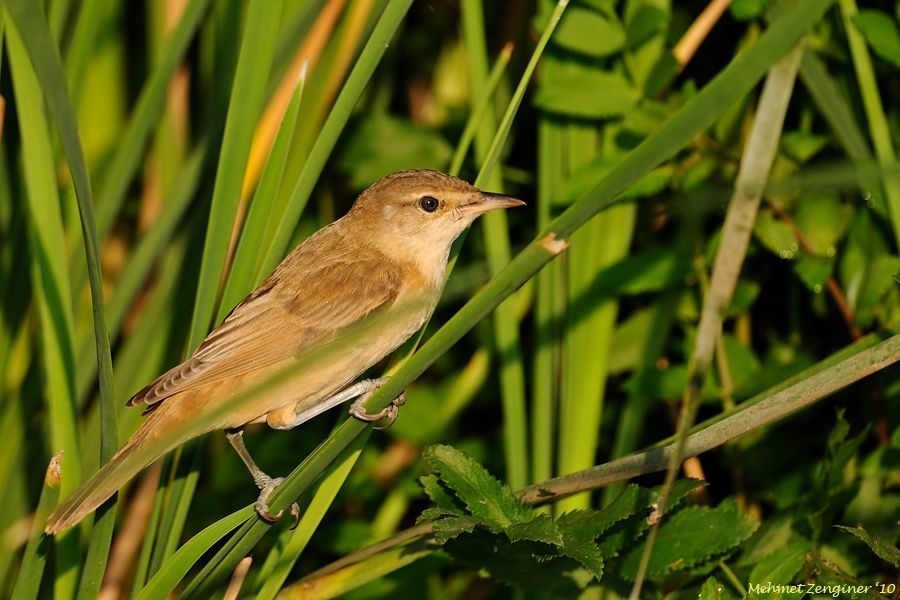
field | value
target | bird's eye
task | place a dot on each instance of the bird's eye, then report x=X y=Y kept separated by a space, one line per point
x=429 y=203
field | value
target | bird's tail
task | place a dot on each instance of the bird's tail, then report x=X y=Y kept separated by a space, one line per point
x=143 y=448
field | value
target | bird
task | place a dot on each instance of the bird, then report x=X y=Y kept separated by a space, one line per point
x=386 y=258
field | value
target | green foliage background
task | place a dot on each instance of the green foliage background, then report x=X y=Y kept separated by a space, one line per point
x=159 y=158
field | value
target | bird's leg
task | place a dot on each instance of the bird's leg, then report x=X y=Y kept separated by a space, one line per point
x=358 y=408
x=362 y=389
x=265 y=483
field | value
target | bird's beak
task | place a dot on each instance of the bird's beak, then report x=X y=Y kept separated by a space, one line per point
x=489 y=201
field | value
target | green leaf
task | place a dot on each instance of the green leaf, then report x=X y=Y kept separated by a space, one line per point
x=776 y=235
x=484 y=496
x=780 y=567
x=880 y=546
x=626 y=517
x=448 y=528
x=165 y=580
x=579 y=530
x=802 y=145
x=438 y=494
x=572 y=91
x=744 y=10
x=881 y=32
x=867 y=268
x=244 y=107
x=531 y=566
x=823 y=220
x=540 y=529
x=712 y=589
x=589 y=32
x=382 y=143
x=644 y=23
x=691 y=536
x=814 y=271
x=588 y=176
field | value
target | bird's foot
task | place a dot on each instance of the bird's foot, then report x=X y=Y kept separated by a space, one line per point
x=266 y=486
x=389 y=412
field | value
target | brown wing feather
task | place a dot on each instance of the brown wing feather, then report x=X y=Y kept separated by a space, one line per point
x=286 y=315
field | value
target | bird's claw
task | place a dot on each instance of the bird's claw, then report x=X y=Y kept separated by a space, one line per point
x=389 y=412
x=267 y=485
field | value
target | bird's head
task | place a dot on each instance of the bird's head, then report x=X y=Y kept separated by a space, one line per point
x=419 y=213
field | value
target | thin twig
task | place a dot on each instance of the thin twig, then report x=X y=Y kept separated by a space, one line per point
x=698 y=31
x=237 y=579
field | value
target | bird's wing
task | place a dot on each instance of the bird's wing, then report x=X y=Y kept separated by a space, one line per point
x=279 y=320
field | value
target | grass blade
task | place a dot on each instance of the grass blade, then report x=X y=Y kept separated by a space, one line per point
x=34 y=559
x=247 y=97
x=162 y=584
x=356 y=82
x=756 y=163
x=497 y=246
x=51 y=289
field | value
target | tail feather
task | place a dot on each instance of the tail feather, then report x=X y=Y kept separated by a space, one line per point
x=124 y=465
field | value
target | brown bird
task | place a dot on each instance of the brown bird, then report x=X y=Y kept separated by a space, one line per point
x=387 y=256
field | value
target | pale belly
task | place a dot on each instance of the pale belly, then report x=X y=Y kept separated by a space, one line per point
x=297 y=385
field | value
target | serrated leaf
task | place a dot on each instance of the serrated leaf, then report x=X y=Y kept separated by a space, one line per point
x=590 y=32
x=438 y=494
x=691 y=536
x=781 y=566
x=434 y=513
x=588 y=555
x=626 y=517
x=526 y=565
x=576 y=90
x=483 y=495
x=540 y=529
x=881 y=32
x=775 y=234
x=448 y=528
x=580 y=528
x=880 y=546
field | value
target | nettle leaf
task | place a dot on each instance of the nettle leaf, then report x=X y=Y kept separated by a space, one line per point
x=571 y=89
x=590 y=32
x=692 y=536
x=483 y=495
x=527 y=565
x=448 y=528
x=882 y=33
x=885 y=550
x=439 y=495
x=782 y=565
x=626 y=517
x=540 y=529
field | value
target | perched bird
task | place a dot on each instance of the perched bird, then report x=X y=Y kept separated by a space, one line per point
x=387 y=256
